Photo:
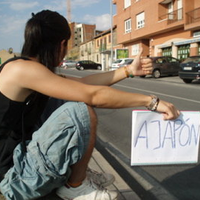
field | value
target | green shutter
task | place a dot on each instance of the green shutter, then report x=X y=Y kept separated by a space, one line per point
x=167 y=51
x=183 y=52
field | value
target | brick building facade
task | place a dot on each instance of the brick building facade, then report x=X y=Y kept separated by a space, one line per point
x=161 y=27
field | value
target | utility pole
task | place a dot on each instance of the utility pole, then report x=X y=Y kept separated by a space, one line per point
x=111 y=32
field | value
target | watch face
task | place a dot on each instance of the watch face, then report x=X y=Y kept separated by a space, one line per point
x=154 y=103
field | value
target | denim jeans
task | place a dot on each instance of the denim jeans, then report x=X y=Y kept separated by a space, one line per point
x=60 y=142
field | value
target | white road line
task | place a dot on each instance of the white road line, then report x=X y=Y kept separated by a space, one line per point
x=153 y=92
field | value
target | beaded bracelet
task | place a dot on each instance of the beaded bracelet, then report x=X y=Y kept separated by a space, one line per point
x=127 y=74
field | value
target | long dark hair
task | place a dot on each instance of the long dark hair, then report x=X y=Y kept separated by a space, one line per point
x=43 y=35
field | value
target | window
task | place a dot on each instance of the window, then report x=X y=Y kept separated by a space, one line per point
x=140 y=20
x=180 y=9
x=167 y=51
x=173 y=60
x=170 y=10
x=109 y=38
x=183 y=52
x=135 y=49
x=127 y=3
x=199 y=48
x=196 y=33
x=160 y=61
x=128 y=26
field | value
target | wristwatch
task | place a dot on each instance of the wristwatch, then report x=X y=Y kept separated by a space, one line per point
x=154 y=103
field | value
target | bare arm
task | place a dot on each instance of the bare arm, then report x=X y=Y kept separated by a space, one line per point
x=38 y=78
x=105 y=78
x=32 y=76
x=137 y=68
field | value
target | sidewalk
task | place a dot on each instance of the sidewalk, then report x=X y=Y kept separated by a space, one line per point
x=99 y=164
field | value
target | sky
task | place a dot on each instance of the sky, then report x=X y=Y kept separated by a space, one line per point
x=15 y=13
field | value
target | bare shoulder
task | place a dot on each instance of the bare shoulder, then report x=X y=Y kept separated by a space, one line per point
x=24 y=65
x=22 y=72
x=22 y=69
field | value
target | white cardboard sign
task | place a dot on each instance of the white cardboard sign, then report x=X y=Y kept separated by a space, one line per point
x=156 y=141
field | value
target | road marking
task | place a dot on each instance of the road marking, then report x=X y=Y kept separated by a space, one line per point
x=148 y=91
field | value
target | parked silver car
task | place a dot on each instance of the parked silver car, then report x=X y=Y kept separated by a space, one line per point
x=118 y=62
x=68 y=64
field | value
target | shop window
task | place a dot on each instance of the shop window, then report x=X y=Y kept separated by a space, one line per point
x=183 y=52
x=167 y=51
x=199 y=48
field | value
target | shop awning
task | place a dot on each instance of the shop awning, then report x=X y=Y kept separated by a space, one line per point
x=195 y=40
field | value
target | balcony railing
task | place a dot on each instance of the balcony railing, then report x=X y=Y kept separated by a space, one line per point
x=193 y=16
x=172 y=17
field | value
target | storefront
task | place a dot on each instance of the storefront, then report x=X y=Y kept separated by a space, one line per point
x=187 y=48
x=199 y=48
x=167 y=51
x=183 y=52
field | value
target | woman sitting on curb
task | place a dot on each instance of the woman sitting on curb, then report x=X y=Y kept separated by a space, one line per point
x=56 y=155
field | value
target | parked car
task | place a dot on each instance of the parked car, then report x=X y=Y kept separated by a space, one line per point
x=118 y=62
x=190 y=69
x=88 y=64
x=68 y=64
x=127 y=62
x=165 y=66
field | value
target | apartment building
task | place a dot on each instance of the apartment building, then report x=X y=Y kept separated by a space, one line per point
x=81 y=33
x=99 y=48
x=161 y=27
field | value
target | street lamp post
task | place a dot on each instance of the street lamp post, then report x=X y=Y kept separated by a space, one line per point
x=111 y=31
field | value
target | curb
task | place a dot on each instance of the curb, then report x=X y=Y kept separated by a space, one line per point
x=145 y=186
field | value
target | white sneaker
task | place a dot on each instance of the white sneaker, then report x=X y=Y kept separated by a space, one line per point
x=86 y=191
x=101 y=179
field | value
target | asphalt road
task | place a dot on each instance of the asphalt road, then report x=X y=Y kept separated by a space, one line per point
x=114 y=139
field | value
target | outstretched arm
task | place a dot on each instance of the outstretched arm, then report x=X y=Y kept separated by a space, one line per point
x=140 y=66
x=28 y=76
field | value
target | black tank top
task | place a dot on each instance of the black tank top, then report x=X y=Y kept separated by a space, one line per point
x=17 y=123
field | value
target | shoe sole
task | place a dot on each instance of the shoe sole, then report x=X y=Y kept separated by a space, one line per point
x=66 y=198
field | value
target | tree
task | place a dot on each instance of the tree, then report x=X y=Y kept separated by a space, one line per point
x=10 y=50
